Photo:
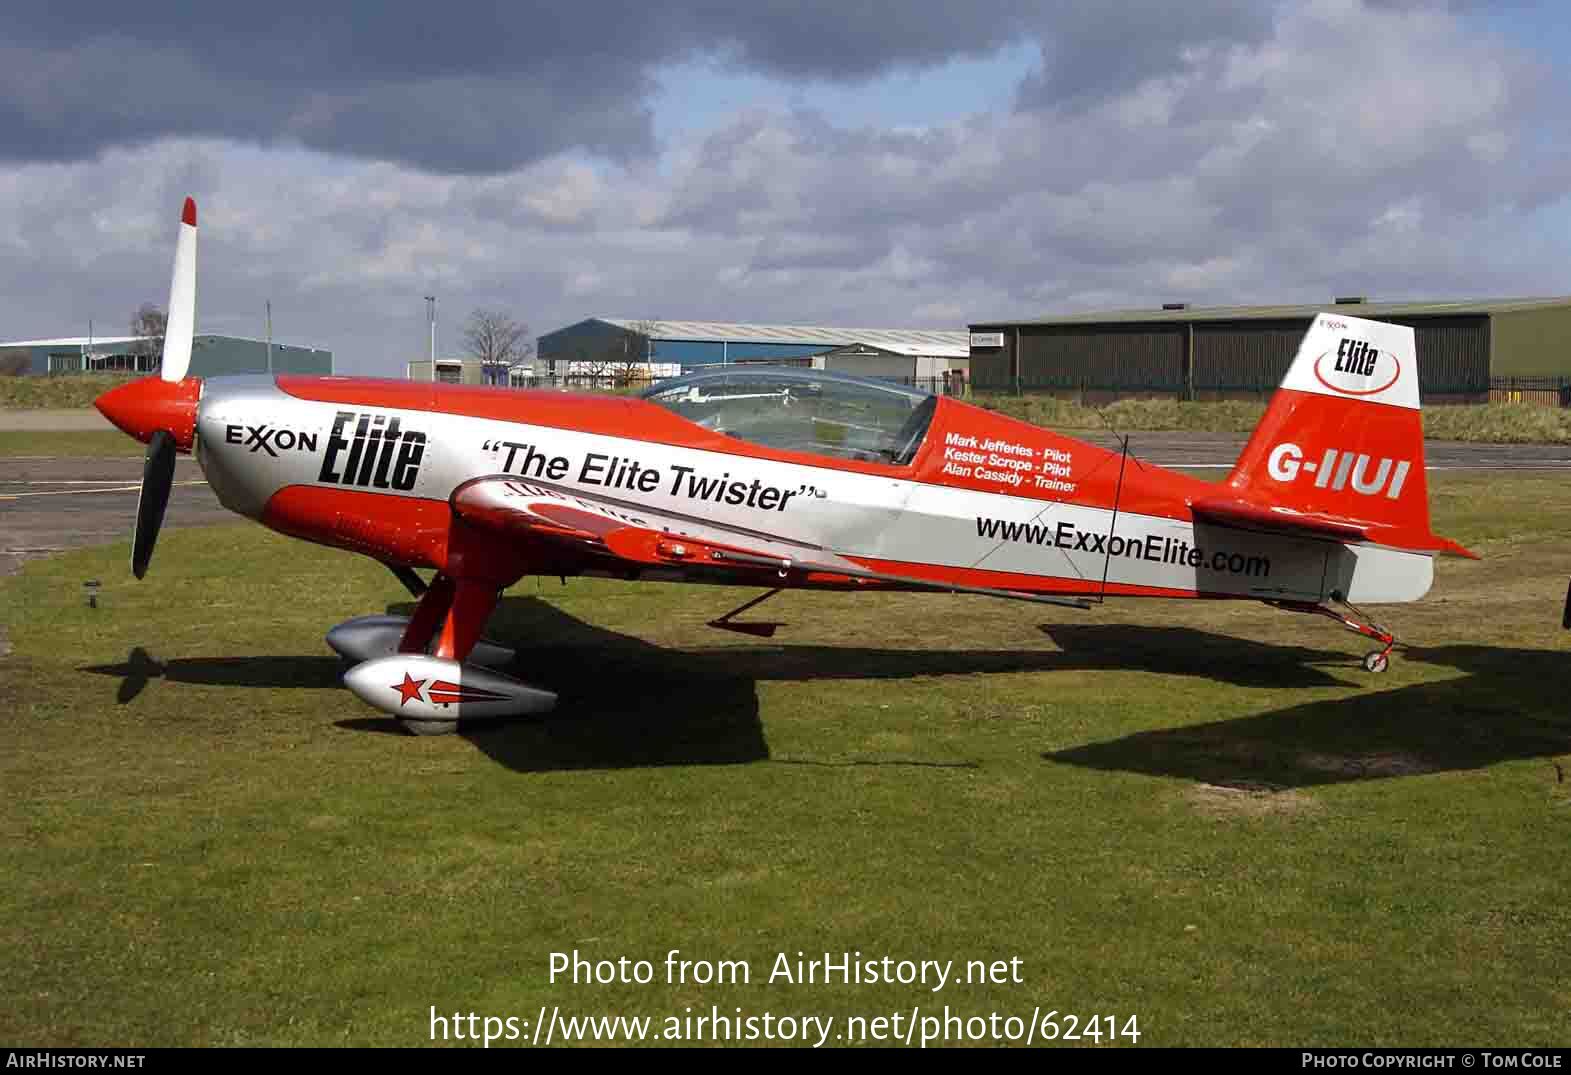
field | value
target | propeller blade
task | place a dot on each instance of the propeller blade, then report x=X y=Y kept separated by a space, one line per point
x=182 y=301
x=158 y=476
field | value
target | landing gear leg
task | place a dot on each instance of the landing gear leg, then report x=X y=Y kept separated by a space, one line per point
x=470 y=606
x=461 y=612
x=1375 y=661
x=429 y=614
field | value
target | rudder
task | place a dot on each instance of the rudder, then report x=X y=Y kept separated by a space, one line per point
x=1343 y=438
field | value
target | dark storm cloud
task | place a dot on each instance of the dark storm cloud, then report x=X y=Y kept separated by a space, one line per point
x=455 y=88
x=1226 y=172
x=1456 y=7
x=1090 y=49
x=856 y=40
x=419 y=84
x=473 y=88
x=1217 y=168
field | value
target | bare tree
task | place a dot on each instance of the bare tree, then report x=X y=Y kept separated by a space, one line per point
x=148 y=325
x=14 y=362
x=626 y=356
x=497 y=341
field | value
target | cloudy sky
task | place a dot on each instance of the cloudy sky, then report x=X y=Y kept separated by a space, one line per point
x=851 y=162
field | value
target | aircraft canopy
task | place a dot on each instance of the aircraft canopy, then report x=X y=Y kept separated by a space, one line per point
x=804 y=411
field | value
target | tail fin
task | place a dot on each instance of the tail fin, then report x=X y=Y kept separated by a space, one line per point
x=1340 y=451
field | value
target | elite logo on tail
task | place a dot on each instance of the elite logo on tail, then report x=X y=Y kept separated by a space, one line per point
x=1358 y=368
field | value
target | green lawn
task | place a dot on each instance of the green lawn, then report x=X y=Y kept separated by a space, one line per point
x=1492 y=423
x=1206 y=816
x=1484 y=423
x=94 y=442
x=65 y=390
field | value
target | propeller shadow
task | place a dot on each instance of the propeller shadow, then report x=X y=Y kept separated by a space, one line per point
x=139 y=668
x=1509 y=705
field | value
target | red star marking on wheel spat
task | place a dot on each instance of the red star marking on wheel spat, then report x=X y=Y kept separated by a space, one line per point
x=409 y=688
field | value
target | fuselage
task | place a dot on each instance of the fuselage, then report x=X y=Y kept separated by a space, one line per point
x=370 y=465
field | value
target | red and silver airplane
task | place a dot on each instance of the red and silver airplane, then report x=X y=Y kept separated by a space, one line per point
x=782 y=479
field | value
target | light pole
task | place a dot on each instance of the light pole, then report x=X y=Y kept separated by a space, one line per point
x=430 y=309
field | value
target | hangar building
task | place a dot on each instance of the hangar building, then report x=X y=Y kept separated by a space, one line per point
x=1221 y=352
x=211 y=356
x=448 y=370
x=892 y=353
x=910 y=363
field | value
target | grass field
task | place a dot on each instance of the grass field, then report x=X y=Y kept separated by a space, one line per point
x=79 y=443
x=1495 y=423
x=1489 y=423
x=66 y=390
x=1206 y=816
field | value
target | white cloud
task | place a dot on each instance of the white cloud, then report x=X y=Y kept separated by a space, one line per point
x=1399 y=153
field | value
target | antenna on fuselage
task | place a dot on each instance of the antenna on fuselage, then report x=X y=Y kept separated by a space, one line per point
x=1112 y=526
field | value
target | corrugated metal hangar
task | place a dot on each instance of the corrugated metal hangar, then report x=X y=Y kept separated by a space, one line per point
x=706 y=343
x=1223 y=352
x=211 y=356
x=909 y=363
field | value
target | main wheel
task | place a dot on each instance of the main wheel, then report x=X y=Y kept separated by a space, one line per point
x=1376 y=661
x=429 y=727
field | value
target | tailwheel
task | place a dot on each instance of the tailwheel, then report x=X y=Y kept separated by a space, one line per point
x=1376 y=661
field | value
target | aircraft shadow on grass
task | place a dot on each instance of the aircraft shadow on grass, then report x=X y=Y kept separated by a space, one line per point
x=1508 y=705
x=140 y=668
x=626 y=703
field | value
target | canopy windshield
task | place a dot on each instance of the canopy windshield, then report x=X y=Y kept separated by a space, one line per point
x=804 y=411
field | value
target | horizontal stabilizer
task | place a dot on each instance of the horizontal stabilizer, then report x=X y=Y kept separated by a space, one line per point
x=1241 y=513
x=1275 y=519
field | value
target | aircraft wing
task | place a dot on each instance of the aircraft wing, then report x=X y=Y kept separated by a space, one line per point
x=634 y=534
